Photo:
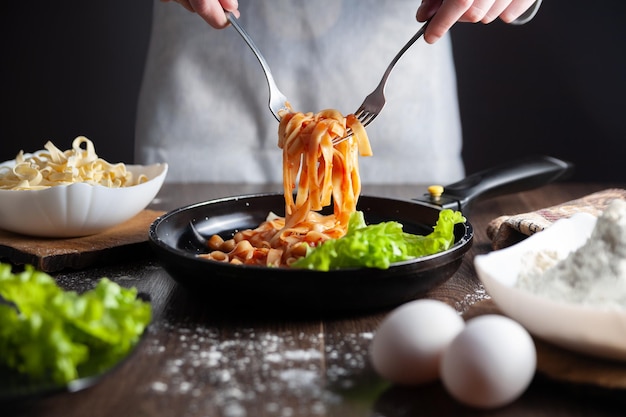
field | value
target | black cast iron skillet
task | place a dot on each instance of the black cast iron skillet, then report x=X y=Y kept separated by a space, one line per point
x=174 y=237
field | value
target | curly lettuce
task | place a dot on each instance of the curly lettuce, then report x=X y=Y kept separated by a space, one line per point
x=54 y=335
x=380 y=245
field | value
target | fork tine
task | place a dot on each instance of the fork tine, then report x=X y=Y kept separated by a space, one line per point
x=348 y=135
x=367 y=118
x=375 y=101
x=349 y=132
x=363 y=115
x=364 y=118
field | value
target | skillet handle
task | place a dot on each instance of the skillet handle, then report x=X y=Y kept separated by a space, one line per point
x=508 y=178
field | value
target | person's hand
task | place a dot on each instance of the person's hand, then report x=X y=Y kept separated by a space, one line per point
x=446 y=13
x=212 y=11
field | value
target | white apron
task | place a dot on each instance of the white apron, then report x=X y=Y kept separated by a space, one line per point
x=203 y=106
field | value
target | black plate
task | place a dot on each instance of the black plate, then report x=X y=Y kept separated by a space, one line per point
x=18 y=389
x=298 y=290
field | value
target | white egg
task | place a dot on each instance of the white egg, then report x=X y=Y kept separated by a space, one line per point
x=408 y=344
x=490 y=363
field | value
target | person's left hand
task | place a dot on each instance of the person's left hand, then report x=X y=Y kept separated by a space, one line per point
x=445 y=13
x=212 y=11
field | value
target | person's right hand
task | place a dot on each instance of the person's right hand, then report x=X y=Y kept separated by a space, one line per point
x=445 y=13
x=212 y=11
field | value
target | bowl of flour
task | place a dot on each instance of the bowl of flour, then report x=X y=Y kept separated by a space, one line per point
x=567 y=284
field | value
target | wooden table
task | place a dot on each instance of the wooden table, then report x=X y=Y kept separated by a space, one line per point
x=195 y=362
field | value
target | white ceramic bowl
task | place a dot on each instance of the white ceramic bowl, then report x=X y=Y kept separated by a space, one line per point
x=586 y=329
x=77 y=209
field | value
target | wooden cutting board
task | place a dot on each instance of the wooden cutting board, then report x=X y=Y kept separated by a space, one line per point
x=128 y=240
x=564 y=365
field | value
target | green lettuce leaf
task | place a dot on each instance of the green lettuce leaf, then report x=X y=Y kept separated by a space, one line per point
x=380 y=245
x=50 y=334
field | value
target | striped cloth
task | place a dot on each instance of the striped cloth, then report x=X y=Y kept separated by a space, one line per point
x=507 y=230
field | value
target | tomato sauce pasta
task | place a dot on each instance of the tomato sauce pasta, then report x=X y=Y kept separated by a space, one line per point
x=319 y=173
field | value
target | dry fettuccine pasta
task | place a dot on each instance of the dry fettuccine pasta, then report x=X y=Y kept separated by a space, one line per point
x=54 y=167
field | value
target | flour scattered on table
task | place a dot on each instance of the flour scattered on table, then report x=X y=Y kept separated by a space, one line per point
x=594 y=274
x=221 y=374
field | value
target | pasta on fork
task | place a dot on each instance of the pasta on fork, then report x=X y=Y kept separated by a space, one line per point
x=319 y=174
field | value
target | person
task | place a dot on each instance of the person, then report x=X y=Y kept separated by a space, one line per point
x=203 y=103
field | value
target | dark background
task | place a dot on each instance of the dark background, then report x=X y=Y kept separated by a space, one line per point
x=555 y=86
x=72 y=68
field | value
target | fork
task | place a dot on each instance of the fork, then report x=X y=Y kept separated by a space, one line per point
x=277 y=101
x=375 y=101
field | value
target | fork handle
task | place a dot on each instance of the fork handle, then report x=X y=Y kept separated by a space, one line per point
x=271 y=83
x=420 y=32
x=233 y=21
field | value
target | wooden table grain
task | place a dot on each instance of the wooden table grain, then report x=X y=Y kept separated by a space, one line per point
x=195 y=361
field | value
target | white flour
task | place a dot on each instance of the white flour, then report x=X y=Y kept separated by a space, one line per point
x=595 y=274
x=291 y=373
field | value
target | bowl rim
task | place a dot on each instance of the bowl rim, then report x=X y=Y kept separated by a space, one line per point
x=78 y=209
x=160 y=170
